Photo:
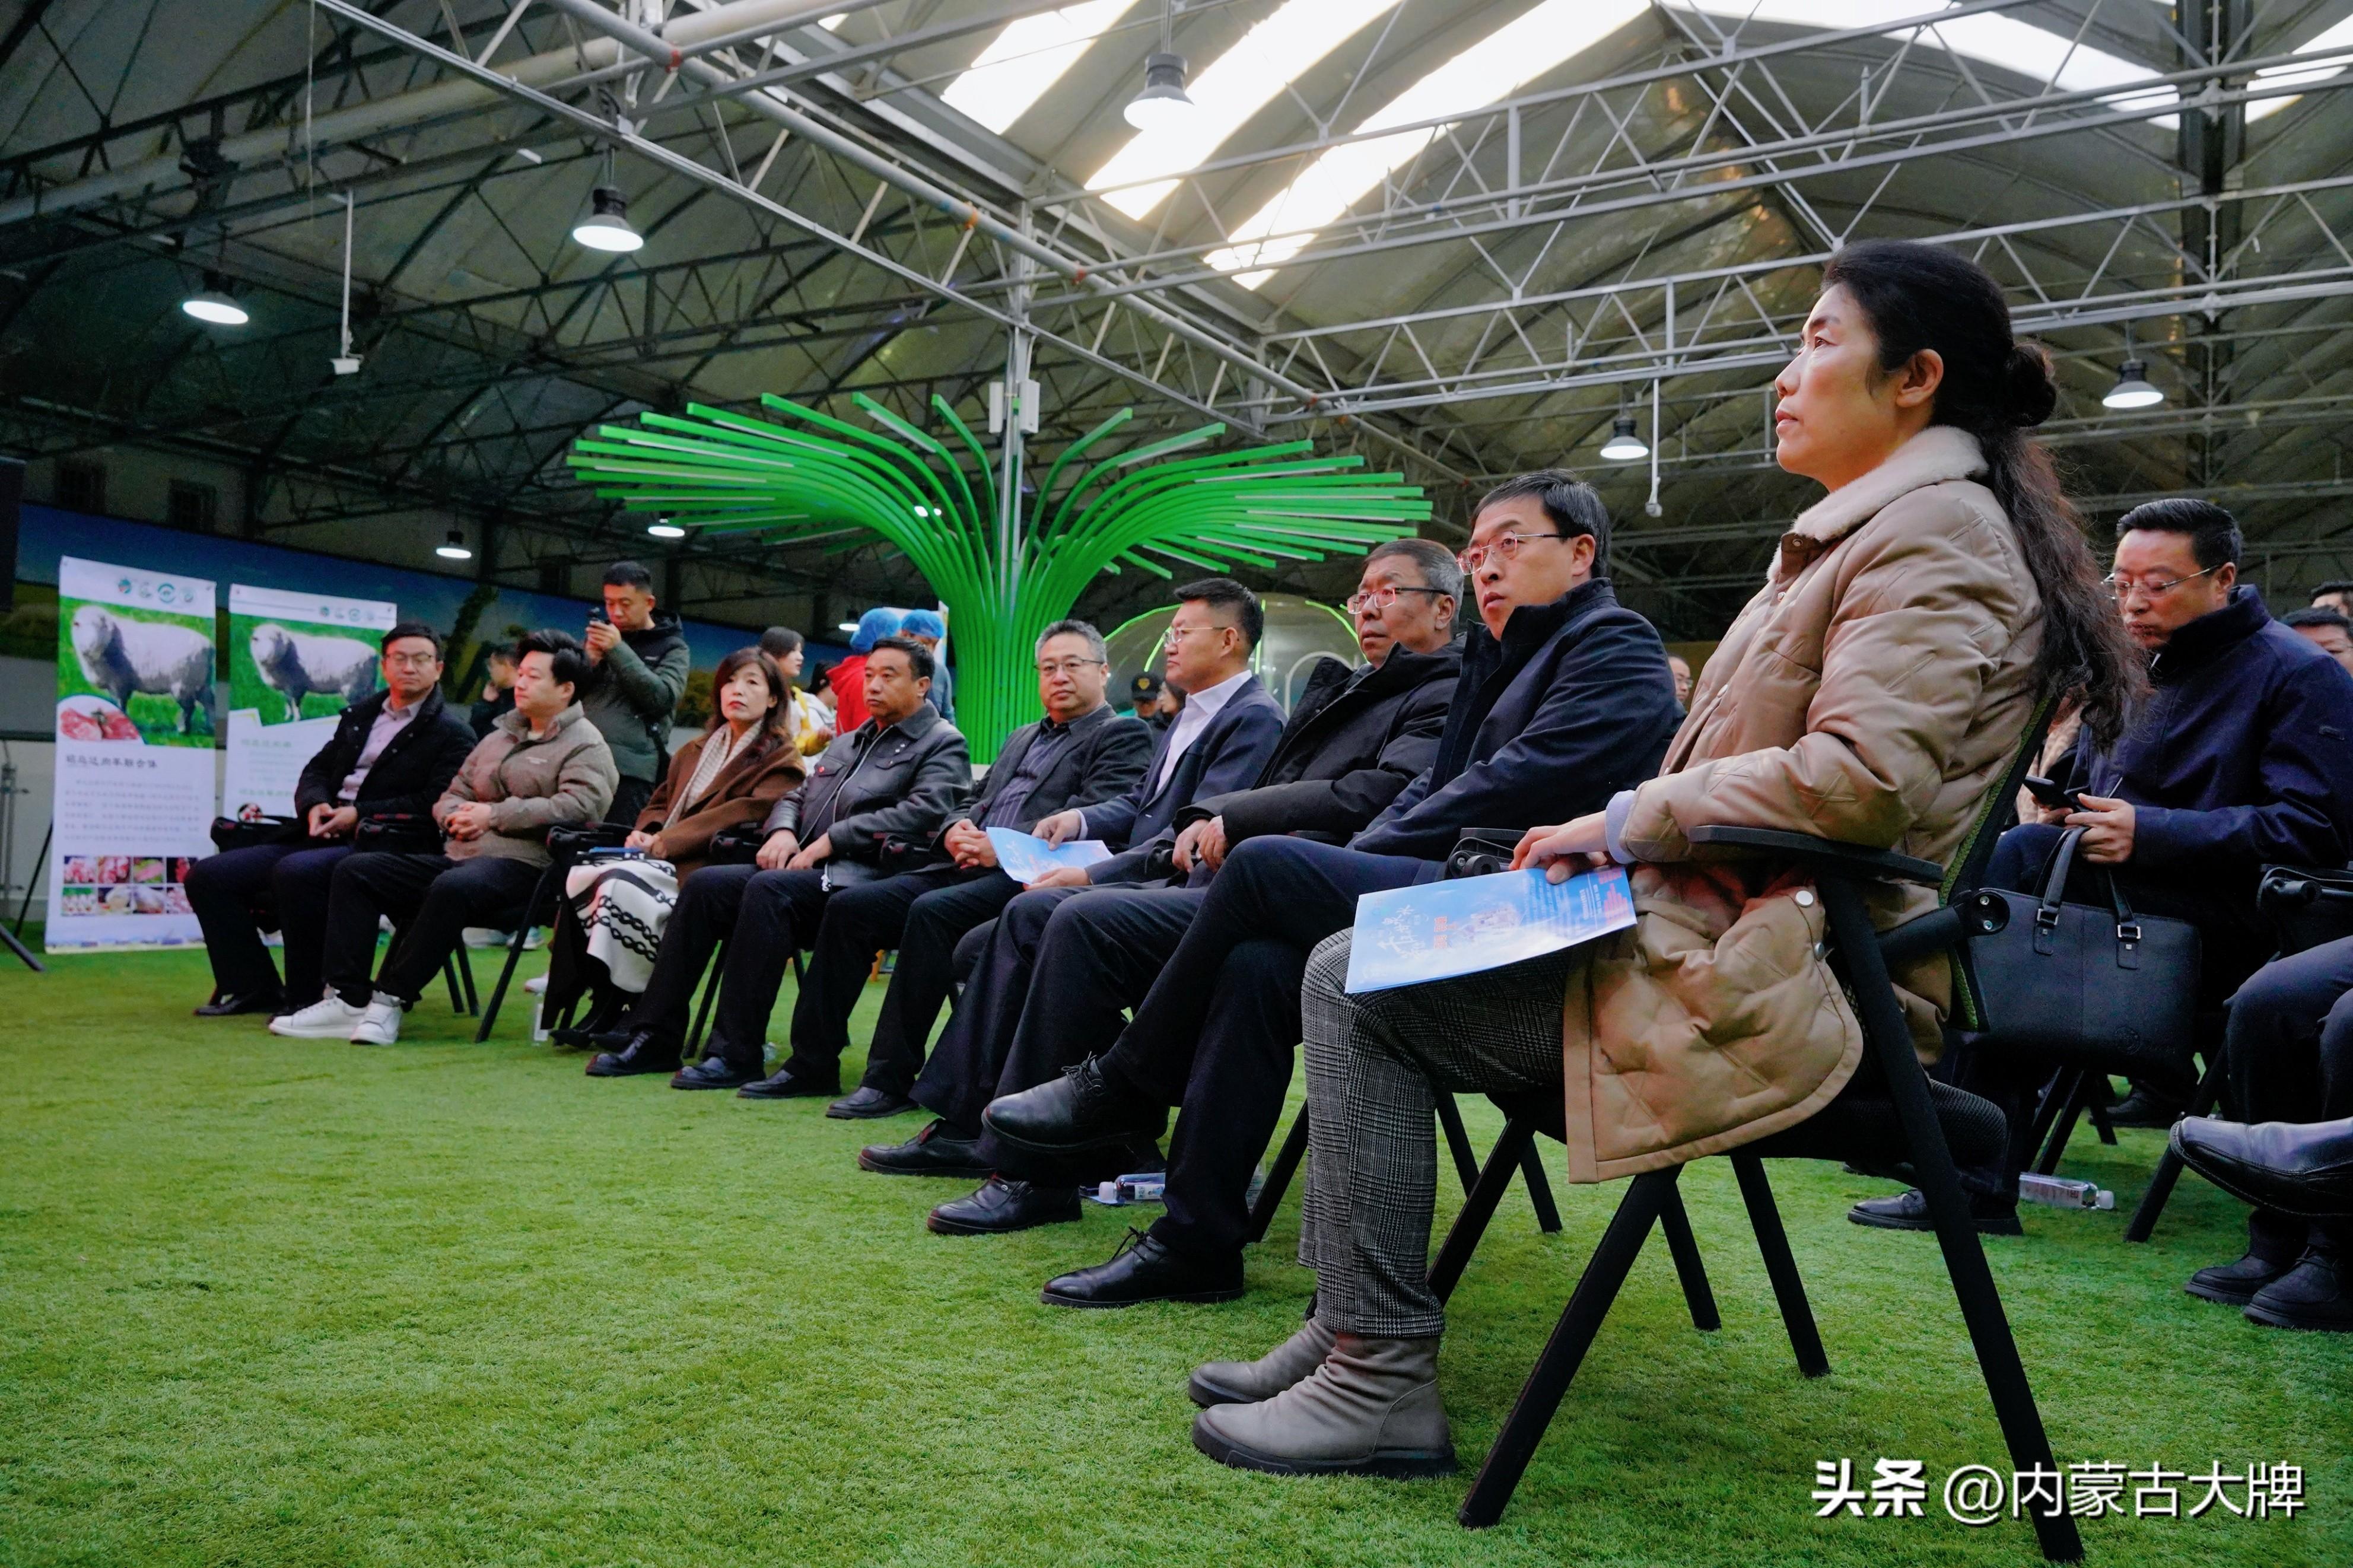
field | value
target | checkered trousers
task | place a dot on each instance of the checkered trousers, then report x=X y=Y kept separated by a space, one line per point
x=1375 y=1063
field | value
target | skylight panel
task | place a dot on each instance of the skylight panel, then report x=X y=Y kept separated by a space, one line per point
x=1233 y=88
x=1495 y=67
x=2337 y=37
x=1027 y=59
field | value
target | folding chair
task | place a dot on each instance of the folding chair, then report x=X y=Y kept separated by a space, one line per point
x=565 y=846
x=693 y=1050
x=456 y=972
x=1458 y=1143
x=1857 y=1126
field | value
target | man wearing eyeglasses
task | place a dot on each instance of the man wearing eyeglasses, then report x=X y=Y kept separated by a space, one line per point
x=1564 y=698
x=394 y=752
x=2241 y=757
x=1063 y=970
x=1081 y=753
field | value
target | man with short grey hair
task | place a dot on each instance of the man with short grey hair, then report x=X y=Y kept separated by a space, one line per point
x=1080 y=753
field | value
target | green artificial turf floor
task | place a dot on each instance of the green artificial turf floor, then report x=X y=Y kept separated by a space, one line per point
x=271 y=1301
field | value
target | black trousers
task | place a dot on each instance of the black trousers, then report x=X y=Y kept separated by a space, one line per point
x=960 y=1080
x=1096 y=955
x=769 y=915
x=284 y=885
x=1218 y=1030
x=922 y=914
x=431 y=897
x=630 y=799
x=2289 y=1054
x=2233 y=940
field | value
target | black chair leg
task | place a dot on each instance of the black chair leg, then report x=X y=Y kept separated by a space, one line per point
x=1539 y=1189
x=2055 y=1095
x=1478 y=1207
x=1683 y=1248
x=2096 y=1108
x=1889 y=1037
x=466 y=975
x=1278 y=1177
x=2079 y=1095
x=449 y=978
x=551 y=877
x=1449 y=1121
x=693 y=1051
x=1780 y=1267
x=2168 y=1165
x=1596 y=1287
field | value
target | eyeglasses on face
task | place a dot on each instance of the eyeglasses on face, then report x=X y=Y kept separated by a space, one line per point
x=412 y=661
x=1176 y=635
x=1504 y=547
x=1382 y=598
x=2124 y=587
x=1050 y=667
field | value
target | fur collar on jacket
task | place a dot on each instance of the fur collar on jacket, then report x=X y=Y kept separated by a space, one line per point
x=1936 y=456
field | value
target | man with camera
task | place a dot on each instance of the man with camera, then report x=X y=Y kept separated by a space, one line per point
x=637 y=669
x=394 y=753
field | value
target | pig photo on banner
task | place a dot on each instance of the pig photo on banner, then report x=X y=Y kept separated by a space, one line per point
x=296 y=661
x=134 y=763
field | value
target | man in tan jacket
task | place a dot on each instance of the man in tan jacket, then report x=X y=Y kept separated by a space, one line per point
x=542 y=765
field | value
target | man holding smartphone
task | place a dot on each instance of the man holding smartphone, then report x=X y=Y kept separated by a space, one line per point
x=637 y=671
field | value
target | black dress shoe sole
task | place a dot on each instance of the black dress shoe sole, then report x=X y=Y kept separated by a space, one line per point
x=760 y=1088
x=934 y=1223
x=2338 y=1322
x=967 y=1172
x=1194 y=1297
x=2006 y=1225
x=619 y=1070
x=838 y=1111
x=735 y=1083
x=269 y=1009
x=1398 y=1464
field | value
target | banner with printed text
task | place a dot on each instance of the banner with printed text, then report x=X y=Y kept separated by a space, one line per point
x=295 y=662
x=136 y=721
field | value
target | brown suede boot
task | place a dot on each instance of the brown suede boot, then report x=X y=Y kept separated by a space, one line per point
x=1371 y=1409
x=1247 y=1382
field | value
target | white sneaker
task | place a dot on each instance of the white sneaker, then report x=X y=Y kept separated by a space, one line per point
x=328 y=1018
x=380 y=1025
x=537 y=985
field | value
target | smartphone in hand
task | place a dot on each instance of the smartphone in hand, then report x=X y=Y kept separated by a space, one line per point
x=2050 y=793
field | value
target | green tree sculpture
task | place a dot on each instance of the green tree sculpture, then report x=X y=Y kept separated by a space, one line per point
x=821 y=479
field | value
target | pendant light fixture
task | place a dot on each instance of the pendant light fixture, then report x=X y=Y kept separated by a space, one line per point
x=453 y=547
x=663 y=528
x=215 y=306
x=1624 y=445
x=1163 y=103
x=607 y=226
x=2133 y=388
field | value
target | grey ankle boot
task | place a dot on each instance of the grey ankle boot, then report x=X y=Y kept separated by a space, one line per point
x=1371 y=1408
x=1247 y=1382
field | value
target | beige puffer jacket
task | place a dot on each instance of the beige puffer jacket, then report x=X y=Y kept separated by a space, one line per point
x=1871 y=692
x=564 y=778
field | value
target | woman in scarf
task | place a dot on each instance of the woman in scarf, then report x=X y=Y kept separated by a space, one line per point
x=743 y=762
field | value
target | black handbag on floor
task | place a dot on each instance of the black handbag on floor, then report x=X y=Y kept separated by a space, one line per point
x=2078 y=984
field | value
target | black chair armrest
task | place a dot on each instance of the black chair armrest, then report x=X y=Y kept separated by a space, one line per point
x=1825 y=854
x=578 y=839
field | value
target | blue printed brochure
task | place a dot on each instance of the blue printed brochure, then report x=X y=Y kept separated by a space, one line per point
x=1441 y=930
x=1026 y=858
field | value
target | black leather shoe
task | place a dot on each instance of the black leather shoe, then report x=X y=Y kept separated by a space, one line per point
x=2312 y=1295
x=710 y=1072
x=934 y=1151
x=2145 y=1107
x=1003 y=1205
x=641 y=1053
x=229 y=1004
x=868 y=1103
x=1079 y=1110
x=1909 y=1211
x=783 y=1084
x=2235 y=1284
x=1143 y=1269
x=2300 y=1169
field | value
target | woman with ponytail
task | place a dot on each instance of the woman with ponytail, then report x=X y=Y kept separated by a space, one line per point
x=1914 y=620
